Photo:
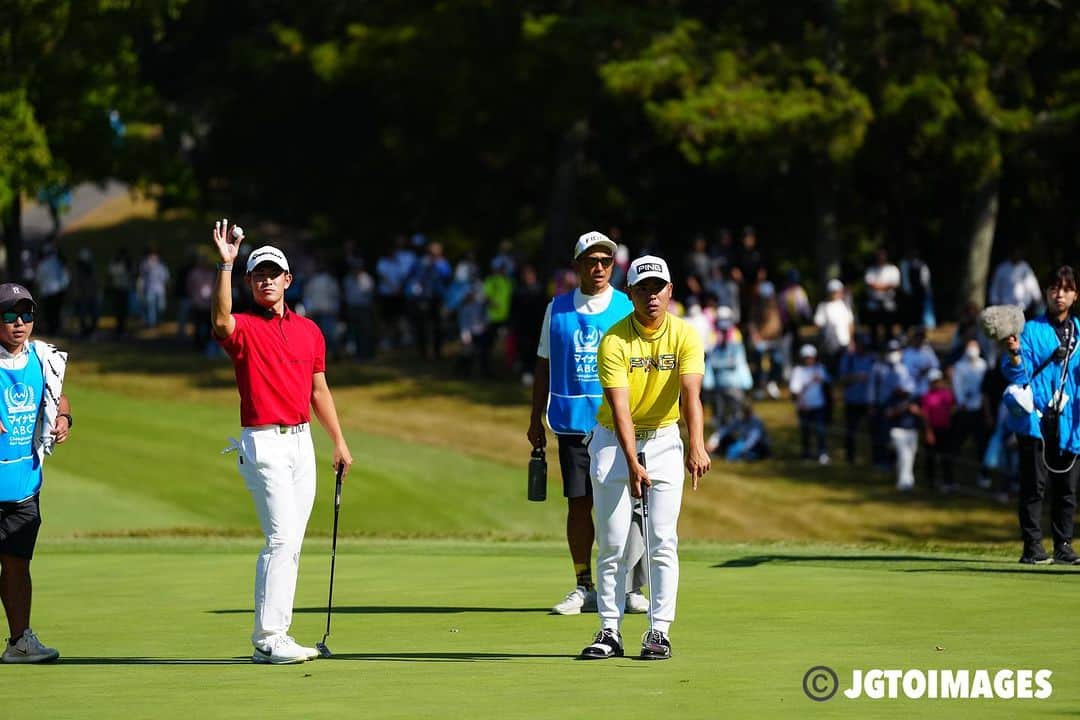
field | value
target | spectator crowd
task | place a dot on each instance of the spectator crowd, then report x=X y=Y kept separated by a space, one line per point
x=855 y=360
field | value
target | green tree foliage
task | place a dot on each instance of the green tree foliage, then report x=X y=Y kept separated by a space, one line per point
x=64 y=66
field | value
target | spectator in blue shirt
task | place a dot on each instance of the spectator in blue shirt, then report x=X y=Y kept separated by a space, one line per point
x=853 y=374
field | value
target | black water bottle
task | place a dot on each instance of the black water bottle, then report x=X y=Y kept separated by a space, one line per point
x=538 y=475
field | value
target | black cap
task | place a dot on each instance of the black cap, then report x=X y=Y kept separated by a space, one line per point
x=13 y=293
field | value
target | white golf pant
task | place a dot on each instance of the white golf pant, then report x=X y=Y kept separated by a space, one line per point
x=278 y=467
x=906 y=442
x=613 y=508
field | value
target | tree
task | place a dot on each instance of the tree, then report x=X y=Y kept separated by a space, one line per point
x=740 y=95
x=64 y=67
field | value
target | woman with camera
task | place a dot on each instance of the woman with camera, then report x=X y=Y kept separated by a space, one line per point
x=1045 y=360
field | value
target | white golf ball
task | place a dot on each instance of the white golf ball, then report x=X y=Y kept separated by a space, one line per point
x=237 y=232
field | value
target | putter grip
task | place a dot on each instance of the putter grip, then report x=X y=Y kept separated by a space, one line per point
x=337 y=487
x=644 y=489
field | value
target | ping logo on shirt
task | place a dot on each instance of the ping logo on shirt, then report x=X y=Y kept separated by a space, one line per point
x=661 y=362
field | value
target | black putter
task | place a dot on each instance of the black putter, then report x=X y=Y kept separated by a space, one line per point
x=321 y=646
x=645 y=534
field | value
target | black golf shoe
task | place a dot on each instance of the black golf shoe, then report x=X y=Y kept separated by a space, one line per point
x=1065 y=555
x=655 y=646
x=606 y=644
x=1034 y=554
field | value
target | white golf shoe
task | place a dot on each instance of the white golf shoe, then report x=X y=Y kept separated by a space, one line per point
x=576 y=601
x=636 y=603
x=283 y=650
x=28 y=649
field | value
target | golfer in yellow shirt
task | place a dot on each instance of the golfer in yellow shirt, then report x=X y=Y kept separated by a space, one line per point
x=650 y=365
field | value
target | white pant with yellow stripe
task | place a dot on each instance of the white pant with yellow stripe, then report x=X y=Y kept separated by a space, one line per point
x=278 y=467
x=613 y=508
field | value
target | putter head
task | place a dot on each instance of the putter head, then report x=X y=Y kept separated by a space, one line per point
x=323 y=650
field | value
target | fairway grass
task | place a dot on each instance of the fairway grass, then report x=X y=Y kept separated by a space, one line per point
x=450 y=629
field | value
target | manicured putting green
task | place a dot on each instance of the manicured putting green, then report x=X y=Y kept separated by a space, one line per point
x=424 y=628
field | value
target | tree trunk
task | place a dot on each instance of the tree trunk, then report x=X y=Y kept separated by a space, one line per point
x=827 y=250
x=13 y=240
x=557 y=239
x=977 y=262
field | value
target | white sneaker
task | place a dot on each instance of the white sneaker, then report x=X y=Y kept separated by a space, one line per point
x=636 y=603
x=28 y=649
x=283 y=650
x=577 y=600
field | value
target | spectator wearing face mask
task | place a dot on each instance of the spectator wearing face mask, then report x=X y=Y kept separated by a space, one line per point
x=893 y=392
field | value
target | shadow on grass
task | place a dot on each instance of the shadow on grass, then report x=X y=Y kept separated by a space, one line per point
x=396 y=610
x=444 y=656
x=755 y=560
x=1029 y=570
x=957 y=565
x=152 y=661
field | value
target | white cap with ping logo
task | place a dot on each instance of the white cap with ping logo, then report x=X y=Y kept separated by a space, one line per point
x=647 y=266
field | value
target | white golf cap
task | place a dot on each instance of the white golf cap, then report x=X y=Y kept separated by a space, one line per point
x=647 y=266
x=592 y=239
x=834 y=285
x=934 y=374
x=725 y=316
x=808 y=351
x=267 y=253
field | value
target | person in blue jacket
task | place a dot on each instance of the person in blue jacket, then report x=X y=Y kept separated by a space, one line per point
x=1044 y=358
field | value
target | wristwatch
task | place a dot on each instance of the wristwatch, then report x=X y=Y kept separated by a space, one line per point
x=71 y=422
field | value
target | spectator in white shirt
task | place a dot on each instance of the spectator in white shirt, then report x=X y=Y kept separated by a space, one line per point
x=807 y=386
x=836 y=321
x=1014 y=283
x=882 y=312
x=322 y=303
x=971 y=419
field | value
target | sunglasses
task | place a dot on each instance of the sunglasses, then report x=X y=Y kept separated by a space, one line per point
x=592 y=261
x=11 y=316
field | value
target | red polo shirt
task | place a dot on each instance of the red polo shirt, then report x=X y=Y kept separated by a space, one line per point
x=275 y=359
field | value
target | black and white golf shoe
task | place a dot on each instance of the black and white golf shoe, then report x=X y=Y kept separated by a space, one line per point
x=606 y=644
x=655 y=646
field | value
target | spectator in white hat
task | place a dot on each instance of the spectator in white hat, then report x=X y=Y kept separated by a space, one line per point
x=836 y=322
x=808 y=380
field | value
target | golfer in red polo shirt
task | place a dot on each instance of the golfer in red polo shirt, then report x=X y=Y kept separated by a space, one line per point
x=280 y=362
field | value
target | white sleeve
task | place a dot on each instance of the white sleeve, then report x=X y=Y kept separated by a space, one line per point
x=543 y=348
x=798 y=381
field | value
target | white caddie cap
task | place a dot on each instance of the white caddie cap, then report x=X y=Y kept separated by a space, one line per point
x=808 y=351
x=834 y=285
x=267 y=253
x=592 y=239
x=934 y=374
x=647 y=266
